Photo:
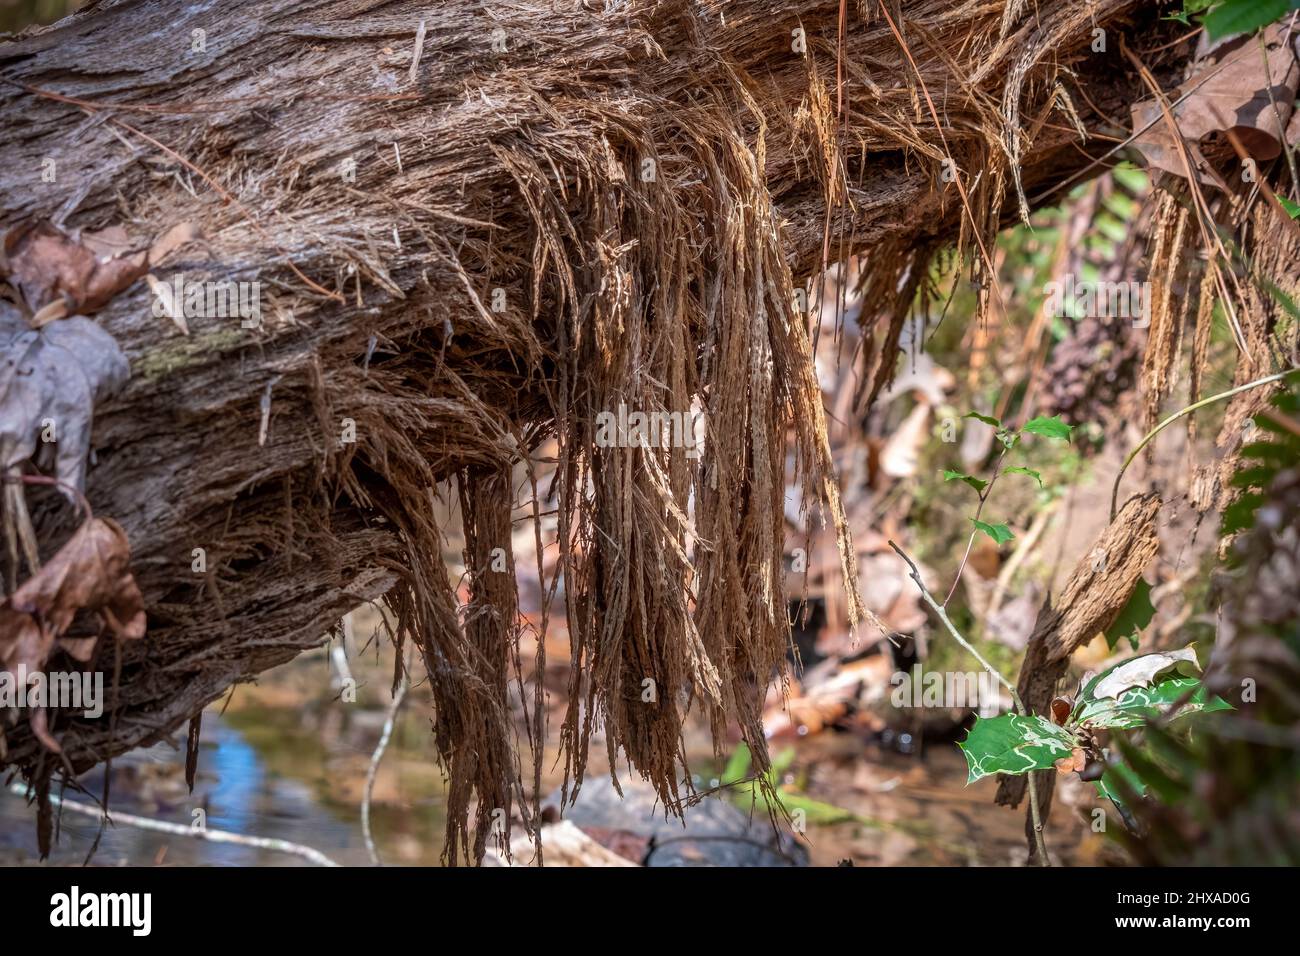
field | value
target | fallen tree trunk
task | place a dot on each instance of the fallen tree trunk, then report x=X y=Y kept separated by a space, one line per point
x=478 y=226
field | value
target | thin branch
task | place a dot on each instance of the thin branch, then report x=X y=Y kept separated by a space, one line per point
x=178 y=829
x=1114 y=492
x=979 y=511
x=373 y=770
x=938 y=609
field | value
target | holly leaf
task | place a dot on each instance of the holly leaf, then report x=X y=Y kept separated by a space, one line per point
x=1000 y=533
x=1137 y=705
x=1049 y=427
x=1017 y=470
x=1013 y=743
x=979 y=484
x=1136 y=614
x=1139 y=671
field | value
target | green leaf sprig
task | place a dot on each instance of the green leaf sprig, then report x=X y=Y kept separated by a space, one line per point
x=1043 y=426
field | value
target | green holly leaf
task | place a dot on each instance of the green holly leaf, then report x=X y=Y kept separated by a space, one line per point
x=1137 y=614
x=1000 y=533
x=1013 y=744
x=1049 y=427
x=1017 y=470
x=1135 y=706
x=1244 y=16
x=986 y=419
x=979 y=484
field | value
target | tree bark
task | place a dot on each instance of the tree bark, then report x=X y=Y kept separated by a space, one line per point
x=377 y=287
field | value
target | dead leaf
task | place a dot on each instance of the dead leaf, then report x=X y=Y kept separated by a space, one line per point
x=46 y=266
x=1076 y=761
x=890 y=593
x=50 y=381
x=90 y=572
x=1230 y=89
x=107 y=243
x=171 y=240
x=1143 y=670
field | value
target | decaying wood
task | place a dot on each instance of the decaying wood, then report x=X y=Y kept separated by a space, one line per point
x=546 y=211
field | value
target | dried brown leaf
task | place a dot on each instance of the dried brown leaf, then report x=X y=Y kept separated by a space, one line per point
x=90 y=572
x=46 y=266
x=1232 y=88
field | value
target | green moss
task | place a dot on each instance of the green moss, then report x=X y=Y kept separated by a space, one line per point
x=176 y=354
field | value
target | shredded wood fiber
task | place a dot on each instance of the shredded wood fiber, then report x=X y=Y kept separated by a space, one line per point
x=646 y=185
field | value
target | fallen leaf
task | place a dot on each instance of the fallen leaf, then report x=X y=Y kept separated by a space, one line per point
x=90 y=572
x=174 y=311
x=901 y=455
x=46 y=266
x=1230 y=89
x=174 y=238
x=51 y=378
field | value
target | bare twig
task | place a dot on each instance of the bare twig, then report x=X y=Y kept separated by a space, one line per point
x=938 y=609
x=373 y=770
x=178 y=829
x=1114 y=492
x=970 y=542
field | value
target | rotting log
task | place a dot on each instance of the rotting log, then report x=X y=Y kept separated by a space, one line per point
x=644 y=183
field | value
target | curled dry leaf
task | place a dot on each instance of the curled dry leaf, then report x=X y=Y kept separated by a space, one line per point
x=1232 y=88
x=91 y=572
x=174 y=311
x=49 y=268
x=1141 y=671
x=51 y=378
x=46 y=266
x=1076 y=761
